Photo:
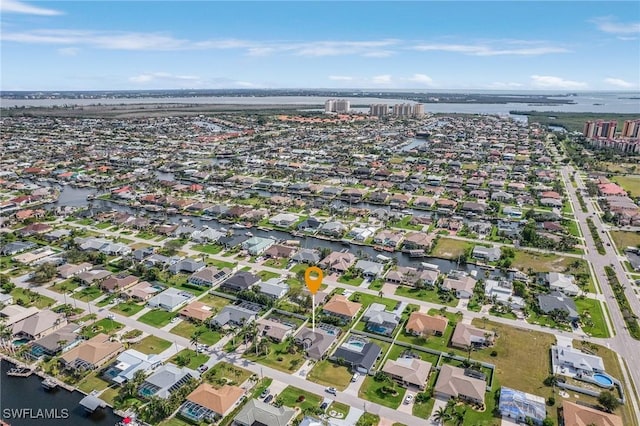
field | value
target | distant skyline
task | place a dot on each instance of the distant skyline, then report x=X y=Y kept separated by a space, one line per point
x=476 y=45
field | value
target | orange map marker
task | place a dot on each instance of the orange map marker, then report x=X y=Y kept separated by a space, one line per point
x=313 y=283
x=313 y=279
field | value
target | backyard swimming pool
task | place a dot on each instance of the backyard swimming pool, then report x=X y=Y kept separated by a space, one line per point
x=603 y=380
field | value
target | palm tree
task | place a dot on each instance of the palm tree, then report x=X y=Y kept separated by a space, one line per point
x=469 y=349
x=5 y=332
x=195 y=337
x=441 y=415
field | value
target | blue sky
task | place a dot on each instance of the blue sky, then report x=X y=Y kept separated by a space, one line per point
x=102 y=45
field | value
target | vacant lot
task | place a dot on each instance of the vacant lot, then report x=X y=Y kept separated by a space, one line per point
x=157 y=317
x=446 y=248
x=542 y=262
x=127 y=309
x=624 y=239
x=31 y=298
x=151 y=345
x=187 y=328
x=189 y=358
x=223 y=372
x=278 y=357
x=372 y=390
x=298 y=398
x=630 y=183
x=330 y=374
x=594 y=322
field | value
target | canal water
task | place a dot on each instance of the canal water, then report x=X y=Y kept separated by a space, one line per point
x=77 y=197
x=24 y=402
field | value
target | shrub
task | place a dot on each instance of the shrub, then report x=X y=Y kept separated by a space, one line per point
x=301 y=398
x=494 y=353
x=551 y=401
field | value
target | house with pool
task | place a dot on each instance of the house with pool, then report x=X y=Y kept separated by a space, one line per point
x=379 y=320
x=357 y=353
x=166 y=380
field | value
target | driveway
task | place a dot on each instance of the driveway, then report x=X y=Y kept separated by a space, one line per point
x=354 y=387
x=439 y=402
x=407 y=408
x=506 y=421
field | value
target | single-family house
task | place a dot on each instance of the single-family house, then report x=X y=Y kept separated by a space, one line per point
x=454 y=383
x=309 y=225
x=279 y=251
x=307 y=256
x=208 y=404
x=38 y=325
x=520 y=406
x=338 y=262
x=333 y=229
x=421 y=324
x=341 y=307
x=165 y=380
x=170 y=299
x=316 y=343
x=187 y=265
x=128 y=363
x=578 y=415
x=388 y=238
x=58 y=341
x=501 y=292
x=359 y=355
x=467 y=335
x=460 y=283
x=275 y=288
x=93 y=276
x=576 y=360
x=234 y=315
x=556 y=301
x=143 y=291
x=197 y=311
x=69 y=270
x=209 y=276
x=114 y=284
x=284 y=220
x=418 y=241
x=240 y=281
x=12 y=314
x=379 y=320
x=258 y=413
x=257 y=245
x=92 y=353
x=275 y=330
x=410 y=276
x=560 y=282
x=490 y=254
x=369 y=269
x=408 y=372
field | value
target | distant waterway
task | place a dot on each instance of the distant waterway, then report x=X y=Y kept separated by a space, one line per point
x=597 y=102
x=24 y=396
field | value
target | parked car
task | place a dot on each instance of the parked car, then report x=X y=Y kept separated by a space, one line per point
x=355 y=377
x=408 y=399
x=324 y=406
x=268 y=399
x=203 y=368
x=264 y=393
x=331 y=390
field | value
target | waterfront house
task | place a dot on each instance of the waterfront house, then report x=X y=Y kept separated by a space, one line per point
x=359 y=355
x=128 y=363
x=418 y=241
x=421 y=324
x=209 y=276
x=234 y=315
x=388 y=238
x=338 y=262
x=309 y=225
x=379 y=320
x=341 y=307
x=467 y=335
x=454 y=383
x=413 y=277
x=333 y=229
x=165 y=380
x=408 y=372
x=284 y=220
x=256 y=412
x=38 y=325
x=369 y=269
x=92 y=353
x=257 y=245
x=316 y=343
x=308 y=256
x=279 y=251
x=240 y=281
x=57 y=341
x=459 y=283
x=170 y=299
x=560 y=282
x=490 y=254
x=12 y=314
x=501 y=292
x=208 y=404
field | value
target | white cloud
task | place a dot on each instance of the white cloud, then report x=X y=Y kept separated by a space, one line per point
x=627 y=38
x=15 y=6
x=618 y=82
x=486 y=50
x=378 y=54
x=166 y=80
x=340 y=78
x=421 y=79
x=552 y=82
x=611 y=25
x=68 y=51
x=162 y=76
x=499 y=85
x=381 y=79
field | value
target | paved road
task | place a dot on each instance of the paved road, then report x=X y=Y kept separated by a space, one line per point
x=622 y=342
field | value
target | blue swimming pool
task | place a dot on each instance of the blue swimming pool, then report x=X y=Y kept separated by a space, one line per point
x=603 y=380
x=20 y=342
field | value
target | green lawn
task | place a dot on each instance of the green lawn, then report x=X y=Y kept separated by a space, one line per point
x=157 y=317
x=368 y=299
x=298 y=398
x=151 y=345
x=221 y=263
x=371 y=390
x=64 y=286
x=300 y=267
x=208 y=248
x=107 y=300
x=368 y=419
x=446 y=248
x=266 y=275
x=276 y=263
x=127 y=309
x=330 y=374
x=630 y=183
x=278 y=357
x=88 y=293
x=541 y=262
x=105 y=325
x=595 y=324
x=439 y=343
x=339 y=407
x=174 y=421
x=195 y=359
x=93 y=382
x=354 y=280
x=31 y=299
x=223 y=372
x=425 y=295
x=214 y=301
x=624 y=239
x=186 y=329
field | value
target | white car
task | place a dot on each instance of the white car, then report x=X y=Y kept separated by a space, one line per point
x=174 y=319
x=332 y=391
x=408 y=399
x=111 y=316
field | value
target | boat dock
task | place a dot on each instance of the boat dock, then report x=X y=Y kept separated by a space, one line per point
x=19 y=372
x=91 y=402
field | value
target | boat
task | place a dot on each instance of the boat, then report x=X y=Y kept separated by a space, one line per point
x=345 y=242
x=378 y=248
x=430 y=266
x=172 y=210
x=223 y=229
x=206 y=218
x=248 y=234
x=238 y=226
x=91 y=197
x=49 y=384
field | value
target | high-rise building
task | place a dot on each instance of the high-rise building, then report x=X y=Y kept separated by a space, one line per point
x=600 y=129
x=379 y=110
x=402 y=110
x=343 y=106
x=631 y=129
x=418 y=110
x=330 y=105
x=589 y=129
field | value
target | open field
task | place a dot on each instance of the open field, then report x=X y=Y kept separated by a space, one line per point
x=223 y=372
x=594 y=324
x=298 y=398
x=330 y=374
x=630 y=183
x=446 y=248
x=543 y=262
x=187 y=328
x=157 y=317
x=624 y=239
x=151 y=345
